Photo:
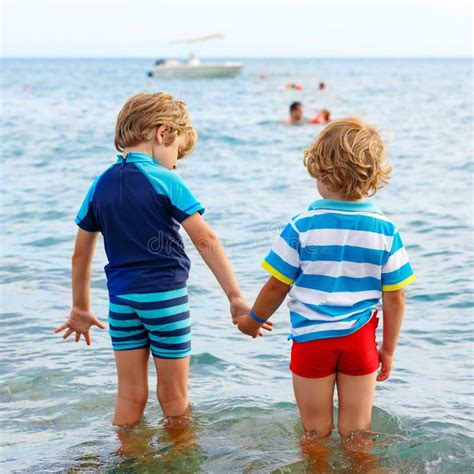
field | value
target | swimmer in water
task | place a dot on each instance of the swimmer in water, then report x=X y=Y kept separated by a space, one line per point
x=322 y=117
x=296 y=116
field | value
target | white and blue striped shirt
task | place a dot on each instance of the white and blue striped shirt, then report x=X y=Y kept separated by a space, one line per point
x=338 y=256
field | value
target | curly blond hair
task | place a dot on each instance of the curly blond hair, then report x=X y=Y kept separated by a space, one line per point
x=144 y=112
x=349 y=157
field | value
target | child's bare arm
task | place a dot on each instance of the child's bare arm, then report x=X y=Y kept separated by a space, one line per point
x=81 y=318
x=212 y=252
x=269 y=299
x=393 y=308
x=81 y=264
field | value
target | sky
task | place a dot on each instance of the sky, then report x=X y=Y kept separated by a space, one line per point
x=258 y=28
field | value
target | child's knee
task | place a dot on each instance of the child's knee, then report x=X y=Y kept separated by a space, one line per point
x=345 y=428
x=357 y=440
x=343 y=431
x=353 y=421
x=348 y=432
x=171 y=396
x=327 y=429
x=173 y=400
x=322 y=429
x=314 y=442
x=134 y=395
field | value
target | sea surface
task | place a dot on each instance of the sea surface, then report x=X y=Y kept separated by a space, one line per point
x=57 y=397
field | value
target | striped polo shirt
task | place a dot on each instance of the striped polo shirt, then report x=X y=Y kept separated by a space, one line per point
x=338 y=256
x=138 y=206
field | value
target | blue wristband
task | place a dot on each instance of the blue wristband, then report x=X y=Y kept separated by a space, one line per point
x=256 y=318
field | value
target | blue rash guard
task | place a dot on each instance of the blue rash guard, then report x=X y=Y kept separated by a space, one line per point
x=138 y=205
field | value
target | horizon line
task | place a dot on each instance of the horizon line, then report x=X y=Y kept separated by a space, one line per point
x=240 y=57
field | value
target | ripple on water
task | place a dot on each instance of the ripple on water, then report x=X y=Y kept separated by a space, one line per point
x=48 y=241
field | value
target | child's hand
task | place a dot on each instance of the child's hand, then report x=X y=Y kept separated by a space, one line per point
x=386 y=360
x=79 y=322
x=250 y=327
x=238 y=307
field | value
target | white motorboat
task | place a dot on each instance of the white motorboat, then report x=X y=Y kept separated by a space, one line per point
x=193 y=67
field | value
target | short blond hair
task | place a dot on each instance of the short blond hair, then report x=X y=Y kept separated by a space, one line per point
x=144 y=111
x=349 y=157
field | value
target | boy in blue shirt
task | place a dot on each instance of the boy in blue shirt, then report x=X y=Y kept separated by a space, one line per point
x=336 y=261
x=138 y=204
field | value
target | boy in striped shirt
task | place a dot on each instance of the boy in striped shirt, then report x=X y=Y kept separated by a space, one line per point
x=336 y=261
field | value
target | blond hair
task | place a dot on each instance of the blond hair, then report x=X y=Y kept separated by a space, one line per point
x=144 y=112
x=349 y=157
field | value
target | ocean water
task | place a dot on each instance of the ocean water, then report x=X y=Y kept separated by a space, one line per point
x=57 y=397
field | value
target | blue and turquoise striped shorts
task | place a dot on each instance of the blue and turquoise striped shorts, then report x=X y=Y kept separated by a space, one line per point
x=156 y=320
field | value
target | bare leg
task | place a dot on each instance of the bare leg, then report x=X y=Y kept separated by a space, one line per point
x=356 y=395
x=315 y=401
x=172 y=387
x=314 y=397
x=172 y=391
x=132 y=372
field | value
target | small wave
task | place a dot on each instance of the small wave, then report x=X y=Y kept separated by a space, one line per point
x=206 y=358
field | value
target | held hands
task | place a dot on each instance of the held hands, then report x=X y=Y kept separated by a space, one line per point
x=239 y=309
x=386 y=362
x=79 y=322
x=251 y=327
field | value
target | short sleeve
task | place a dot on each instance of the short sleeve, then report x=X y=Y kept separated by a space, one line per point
x=85 y=218
x=183 y=202
x=283 y=260
x=397 y=272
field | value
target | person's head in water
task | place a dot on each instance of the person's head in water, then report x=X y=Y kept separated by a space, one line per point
x=296 y=112
x=326 y=114
x=322 y=86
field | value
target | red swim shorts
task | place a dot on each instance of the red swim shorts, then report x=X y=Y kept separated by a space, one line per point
x=356 y=354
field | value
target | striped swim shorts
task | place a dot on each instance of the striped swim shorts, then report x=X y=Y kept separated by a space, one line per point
x=156 y=320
